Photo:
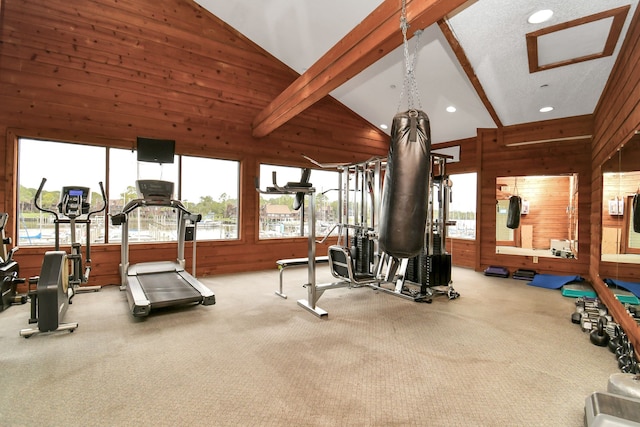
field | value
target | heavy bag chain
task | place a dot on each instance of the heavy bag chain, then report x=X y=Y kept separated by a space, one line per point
x=409 y=83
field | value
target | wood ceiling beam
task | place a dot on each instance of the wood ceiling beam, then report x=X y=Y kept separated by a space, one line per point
x=468 y=69
x=377 y=35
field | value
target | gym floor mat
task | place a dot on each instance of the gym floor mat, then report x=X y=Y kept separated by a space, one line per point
x=496 y=271
x=634 y=288
x=625 y=297
x=576 y=290
x=551 y=281
x=522 y=274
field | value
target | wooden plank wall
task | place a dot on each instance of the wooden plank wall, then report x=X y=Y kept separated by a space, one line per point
x=616 y=119
x=551 y=158
x=103 y=72
x=463 y=252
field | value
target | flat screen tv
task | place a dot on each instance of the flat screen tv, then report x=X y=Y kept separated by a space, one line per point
x=155 y=150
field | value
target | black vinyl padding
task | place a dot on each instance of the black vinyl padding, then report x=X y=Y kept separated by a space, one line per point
x=636 y=213
x=513 y=214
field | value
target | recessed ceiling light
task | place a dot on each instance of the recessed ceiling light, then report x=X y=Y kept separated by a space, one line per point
x=383 y=126
x=546 y=109
x=451 y=109
x=540 y=16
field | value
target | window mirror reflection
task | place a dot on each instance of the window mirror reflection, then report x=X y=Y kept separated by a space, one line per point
x=620 y=243
x=543 y=222
x=620 y=186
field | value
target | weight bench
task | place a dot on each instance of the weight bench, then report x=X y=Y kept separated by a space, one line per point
x=295 y=262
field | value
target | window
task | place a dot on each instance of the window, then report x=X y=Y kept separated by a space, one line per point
x=210 y=187
x=278 y=219
x=149 y=224
x=61 y=164
x=462 y=208
x=548 y=220
x=207 y=186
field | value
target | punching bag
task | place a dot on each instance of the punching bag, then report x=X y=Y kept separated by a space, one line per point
x=405 y=192
x=513 y=214
x=636 y=213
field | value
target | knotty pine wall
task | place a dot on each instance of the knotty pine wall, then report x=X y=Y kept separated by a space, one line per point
x=620 y=186
x=616 y=120
x=463 y=251
x=104 y=71
x=498 y=157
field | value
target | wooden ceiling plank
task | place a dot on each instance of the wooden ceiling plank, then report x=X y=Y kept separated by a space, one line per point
x=378 y=34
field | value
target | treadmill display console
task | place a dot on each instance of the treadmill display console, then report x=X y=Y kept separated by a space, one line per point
x=153 y=189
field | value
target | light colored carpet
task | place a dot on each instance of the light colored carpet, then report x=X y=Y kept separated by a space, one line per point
x=504 y=354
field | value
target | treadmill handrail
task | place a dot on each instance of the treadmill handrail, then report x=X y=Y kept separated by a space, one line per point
x=171 y=203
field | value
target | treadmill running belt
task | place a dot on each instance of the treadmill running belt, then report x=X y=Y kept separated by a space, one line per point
x=165 y=289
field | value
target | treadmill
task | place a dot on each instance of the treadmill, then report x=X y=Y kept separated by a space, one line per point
x=151 y=285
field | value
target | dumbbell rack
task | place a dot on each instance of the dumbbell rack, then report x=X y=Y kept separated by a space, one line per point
x=593 y=317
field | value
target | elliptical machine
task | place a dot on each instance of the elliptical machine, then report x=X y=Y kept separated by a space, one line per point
x=62 y=274
x=9 y=269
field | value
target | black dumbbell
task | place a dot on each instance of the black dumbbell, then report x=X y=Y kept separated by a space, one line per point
x=599 y=336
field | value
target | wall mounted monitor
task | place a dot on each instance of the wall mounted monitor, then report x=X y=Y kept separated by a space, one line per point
x=155 y=150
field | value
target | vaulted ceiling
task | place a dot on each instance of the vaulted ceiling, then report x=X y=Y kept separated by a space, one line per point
x=483 y=58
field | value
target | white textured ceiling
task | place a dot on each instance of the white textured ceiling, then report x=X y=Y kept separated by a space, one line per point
x=491 y=33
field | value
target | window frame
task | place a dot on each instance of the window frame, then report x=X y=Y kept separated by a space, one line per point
x=18 y=138
x=456 y=195
x=266 y=181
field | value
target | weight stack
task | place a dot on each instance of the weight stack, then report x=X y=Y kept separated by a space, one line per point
x=437 y=243
x=439 y=270
x=429 y=270
x=414 y=267
x=411 y=272
x=364 y=254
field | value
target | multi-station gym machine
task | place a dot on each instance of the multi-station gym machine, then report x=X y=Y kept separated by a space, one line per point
x=357 y=259
x=392 y=220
